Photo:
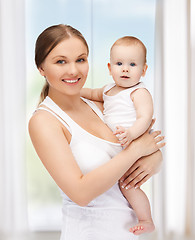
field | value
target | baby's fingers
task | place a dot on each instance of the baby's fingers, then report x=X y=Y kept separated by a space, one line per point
x=126 y=144
x=121 y=136
x=123 y=141
x=119 y=130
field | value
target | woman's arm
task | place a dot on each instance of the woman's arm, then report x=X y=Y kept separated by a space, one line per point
x=53 y=149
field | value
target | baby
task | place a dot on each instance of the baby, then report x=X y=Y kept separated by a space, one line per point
x=128 y=111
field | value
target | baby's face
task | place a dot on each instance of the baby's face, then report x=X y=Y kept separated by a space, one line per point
x=127 y=65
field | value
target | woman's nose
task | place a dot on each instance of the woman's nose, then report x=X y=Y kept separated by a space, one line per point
x=72 y=70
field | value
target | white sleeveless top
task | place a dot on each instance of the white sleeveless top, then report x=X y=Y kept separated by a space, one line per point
x=109 y=216
x=119 y=109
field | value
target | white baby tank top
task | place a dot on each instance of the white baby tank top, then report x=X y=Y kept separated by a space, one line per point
x=119 y=109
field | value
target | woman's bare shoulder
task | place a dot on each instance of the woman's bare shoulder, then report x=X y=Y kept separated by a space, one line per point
x=40 y=116
x=41 y=120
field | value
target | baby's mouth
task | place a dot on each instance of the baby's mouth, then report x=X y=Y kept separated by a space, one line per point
x=125 y=77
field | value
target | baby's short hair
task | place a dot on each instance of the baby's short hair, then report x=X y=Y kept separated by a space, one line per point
x=130 y=40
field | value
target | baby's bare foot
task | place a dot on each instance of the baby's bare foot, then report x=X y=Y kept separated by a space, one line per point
x=142 y=227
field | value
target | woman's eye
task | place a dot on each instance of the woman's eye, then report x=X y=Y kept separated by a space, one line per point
x=132 y=64
x=119 y=63
x=81 y=60
x=61 y=61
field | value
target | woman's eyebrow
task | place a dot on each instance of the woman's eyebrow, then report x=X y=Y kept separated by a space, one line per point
x=59 y=56
x=83 y=54
x=62 y=56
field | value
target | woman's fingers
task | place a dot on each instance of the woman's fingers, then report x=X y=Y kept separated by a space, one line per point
x=161 y=144
x=134 y=166
x=138 y=179
x=151 y=124
x=142 y=169
x=155 y=133
x=122 y=179
x=130 y=171
x=142 y=181
x=133 y=182
x=137 y=182
x=159 y=139
x=134 y=177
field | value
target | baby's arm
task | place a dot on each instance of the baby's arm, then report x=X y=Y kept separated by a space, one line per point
x=92 y=94
x=144 y=111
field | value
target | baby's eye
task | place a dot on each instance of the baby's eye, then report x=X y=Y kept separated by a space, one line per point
x=119 y=63
x=132 y=64
x=81 y=60
x=61 y=61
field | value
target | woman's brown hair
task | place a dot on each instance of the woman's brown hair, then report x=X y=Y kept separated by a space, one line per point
x=48 y=40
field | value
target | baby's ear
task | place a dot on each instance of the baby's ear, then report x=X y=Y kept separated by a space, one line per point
x=109 y=68
x=144 y=69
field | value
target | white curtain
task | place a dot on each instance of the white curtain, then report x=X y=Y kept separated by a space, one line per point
x=192 y=117
x=13 y=207
x=174 y=188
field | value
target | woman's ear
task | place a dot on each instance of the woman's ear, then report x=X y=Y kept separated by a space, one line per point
x=42 y=72
x=109 y=68
x=144 y=69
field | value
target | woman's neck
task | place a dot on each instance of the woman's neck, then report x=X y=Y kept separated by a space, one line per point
x=67 y=103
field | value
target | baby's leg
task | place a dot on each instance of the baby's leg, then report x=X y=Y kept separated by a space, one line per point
x=140 y=204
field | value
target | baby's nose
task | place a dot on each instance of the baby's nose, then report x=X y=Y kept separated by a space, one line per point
x=125 y=69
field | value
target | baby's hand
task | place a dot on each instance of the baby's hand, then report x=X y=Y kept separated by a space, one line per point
x=123 y=135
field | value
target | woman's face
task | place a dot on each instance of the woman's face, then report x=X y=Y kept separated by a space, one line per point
x=66 y=67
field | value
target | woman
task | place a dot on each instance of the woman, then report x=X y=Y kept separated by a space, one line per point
x=79 y=151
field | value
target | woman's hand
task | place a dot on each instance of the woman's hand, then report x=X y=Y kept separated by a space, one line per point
x=142 y=170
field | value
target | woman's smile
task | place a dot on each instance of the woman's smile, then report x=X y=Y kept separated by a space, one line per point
x=71 y=81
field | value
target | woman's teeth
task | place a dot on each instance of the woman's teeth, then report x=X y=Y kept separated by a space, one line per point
x=71 y=81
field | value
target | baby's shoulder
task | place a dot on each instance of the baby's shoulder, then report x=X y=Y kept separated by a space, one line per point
x=140 y=91
x=141 y=95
